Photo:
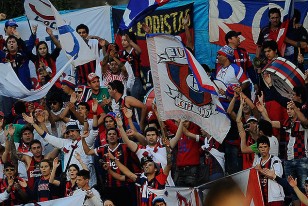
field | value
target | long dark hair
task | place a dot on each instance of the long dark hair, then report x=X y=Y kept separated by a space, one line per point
x=47 y=57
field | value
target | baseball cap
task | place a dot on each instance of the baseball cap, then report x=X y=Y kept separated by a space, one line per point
x=158 y=199
x=11 y=22
x=91 y=76
x=231 y=34
x=227 y=52
x=71 y=125
x=146 y=159
x=69 y=81
x=251 y=118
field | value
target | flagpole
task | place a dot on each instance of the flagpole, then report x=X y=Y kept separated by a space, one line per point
x=29 y=24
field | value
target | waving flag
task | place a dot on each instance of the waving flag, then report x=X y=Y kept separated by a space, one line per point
x=71 y=42
x=40 y=11
x=286 y=16
x=11 y=86
x=137 y=10
x=178 y=93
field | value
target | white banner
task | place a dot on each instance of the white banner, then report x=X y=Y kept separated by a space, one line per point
x=76 y=200
x=248 y=182
x=181 y=196
x=92 y=17
x=11 y=86
x=176 y=89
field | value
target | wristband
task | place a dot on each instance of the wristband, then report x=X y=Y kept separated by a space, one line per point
x=197 y=138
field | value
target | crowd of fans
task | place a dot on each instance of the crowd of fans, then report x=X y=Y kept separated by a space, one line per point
x=106 y=142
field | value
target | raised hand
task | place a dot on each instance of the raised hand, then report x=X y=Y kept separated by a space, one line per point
x=11 y=130
x=84 y=134
x=2 y=16
x=292 y=181
x=49 y=31
x=119 y=121
x=28 y=119
x=146 y=28
x=34 y=28
x=260 y=107
x=55 y=163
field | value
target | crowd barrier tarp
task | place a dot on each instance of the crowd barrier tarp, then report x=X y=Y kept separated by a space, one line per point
x=163 y=20
x=247 y=17
x=248 y=182
x=96 y=18
x=176 y=90
x=76 y=200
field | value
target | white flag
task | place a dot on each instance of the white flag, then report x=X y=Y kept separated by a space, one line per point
x=11 y=86
x=177 y=91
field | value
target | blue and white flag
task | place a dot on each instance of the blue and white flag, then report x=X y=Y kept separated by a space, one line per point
x=178 y=93
x=71 y=42
x=137 y=10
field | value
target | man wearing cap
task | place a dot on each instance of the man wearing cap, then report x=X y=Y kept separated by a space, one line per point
x=98 y=92
x=228 y=72
x=68 y=85
x=10 y=28
x=71 y=144
x=241 y=56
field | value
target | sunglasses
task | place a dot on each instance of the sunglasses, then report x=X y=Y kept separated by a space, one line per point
x=79 y=92
x=9 y=169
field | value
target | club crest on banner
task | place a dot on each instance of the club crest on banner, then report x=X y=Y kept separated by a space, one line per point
x=182 y=200
x=65 y=29
x=187 y=95
x=39 y=10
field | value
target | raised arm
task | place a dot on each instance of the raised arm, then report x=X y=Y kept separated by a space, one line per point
x=133 y=131
x=83 y=165
x=133 y=44
x=123 y=168
x=53 y=38
x=131 y=145
x=241 y=130
x=301 y=196
x=85 y=146
x=133 y=102
x=55 y=165
x=262 y=110
x=178 y=135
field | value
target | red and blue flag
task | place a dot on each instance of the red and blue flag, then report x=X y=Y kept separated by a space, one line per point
x=137 y=10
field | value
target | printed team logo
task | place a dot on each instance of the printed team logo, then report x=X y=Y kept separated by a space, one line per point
x=182 y=77
x=40 y=11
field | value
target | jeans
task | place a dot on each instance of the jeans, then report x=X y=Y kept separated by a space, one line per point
x=233 y=162
x=186 y=176
x=137 y=90
x=298 y=168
